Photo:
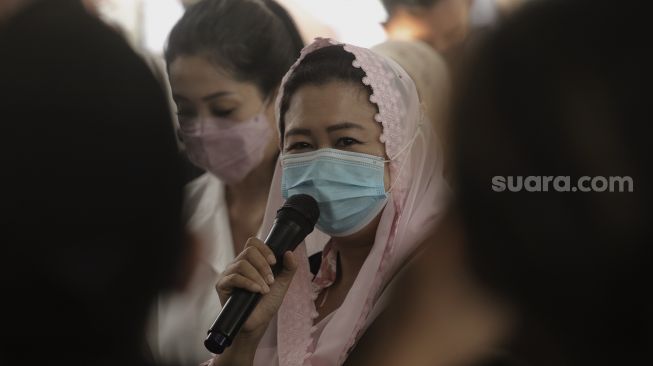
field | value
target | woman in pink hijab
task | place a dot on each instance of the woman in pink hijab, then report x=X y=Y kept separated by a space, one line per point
x=353 y=136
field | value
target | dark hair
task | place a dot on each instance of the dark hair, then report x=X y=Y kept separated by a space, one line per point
x=92 y=190
x=324 y=65
x=391 y=5
x=256 y=41
x=569 y=101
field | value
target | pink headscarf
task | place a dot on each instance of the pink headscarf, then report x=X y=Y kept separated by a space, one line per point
x=416 y=201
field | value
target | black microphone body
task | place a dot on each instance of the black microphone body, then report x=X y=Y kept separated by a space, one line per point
x=294 y=221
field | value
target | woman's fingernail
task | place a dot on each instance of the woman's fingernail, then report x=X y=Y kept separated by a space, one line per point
x=270 y=279
x=266 y=289
x=257 y=288
x=272 y=259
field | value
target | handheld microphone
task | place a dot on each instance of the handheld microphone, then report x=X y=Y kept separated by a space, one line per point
x=294 y=221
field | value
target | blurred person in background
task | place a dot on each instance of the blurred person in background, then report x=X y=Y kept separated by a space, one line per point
x=10 y=7
x=506 y=7
x=486 y=13
x=422 y=35
x=555 y=277
x=225 y=62
x=97 y=8
x=557 y=101
x=156 y=63
x=438 y=315
x=450 y=27
x=353 y=136
x=187 y=3
x=483 y=13
x=431 y=76
x=92 y=191
x=442 y=24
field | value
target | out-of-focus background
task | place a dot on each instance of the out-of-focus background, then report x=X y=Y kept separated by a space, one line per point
x=148 y=22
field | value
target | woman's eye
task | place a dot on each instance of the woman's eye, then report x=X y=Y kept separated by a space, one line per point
x=298 y=146
x=346 y=141
x=221 y=112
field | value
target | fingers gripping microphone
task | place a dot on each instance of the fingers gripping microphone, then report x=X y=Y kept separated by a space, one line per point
x=294 y=221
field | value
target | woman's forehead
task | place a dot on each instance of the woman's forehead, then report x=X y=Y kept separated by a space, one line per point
x=196 y=76
x=335 y=102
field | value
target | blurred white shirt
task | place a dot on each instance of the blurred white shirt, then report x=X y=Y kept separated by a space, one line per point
x=182 y=319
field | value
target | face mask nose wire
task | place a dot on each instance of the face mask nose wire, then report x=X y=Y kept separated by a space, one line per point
x=406 y=147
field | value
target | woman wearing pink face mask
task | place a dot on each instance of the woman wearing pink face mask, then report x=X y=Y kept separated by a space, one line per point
x=225 y=59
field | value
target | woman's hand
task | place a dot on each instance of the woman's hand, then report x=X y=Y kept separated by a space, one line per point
x=251 y=271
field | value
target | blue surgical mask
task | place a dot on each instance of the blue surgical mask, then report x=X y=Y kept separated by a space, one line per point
x=348 y=187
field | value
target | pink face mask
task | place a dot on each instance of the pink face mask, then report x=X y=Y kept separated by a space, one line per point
x=228 y=149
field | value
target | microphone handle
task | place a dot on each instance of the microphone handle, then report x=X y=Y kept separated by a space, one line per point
x=285 y=235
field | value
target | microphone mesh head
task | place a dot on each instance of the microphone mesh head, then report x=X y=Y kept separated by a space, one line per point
x=305 y=205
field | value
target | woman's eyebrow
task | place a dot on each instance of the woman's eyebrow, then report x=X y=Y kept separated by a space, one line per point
x=216 y=95
x=206 y=98
x=344 y=126
x=298 y=131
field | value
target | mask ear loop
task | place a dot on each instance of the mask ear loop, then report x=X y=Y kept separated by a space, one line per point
x=406 y=147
